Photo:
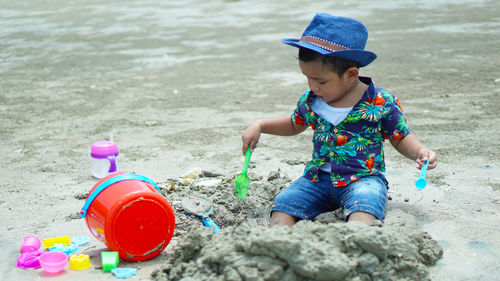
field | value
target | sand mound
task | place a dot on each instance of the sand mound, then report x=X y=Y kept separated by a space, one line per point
x=227 y=209
x=326 y=249
x=308 y=250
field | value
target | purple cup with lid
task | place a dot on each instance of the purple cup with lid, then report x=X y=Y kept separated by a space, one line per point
x=103 y=158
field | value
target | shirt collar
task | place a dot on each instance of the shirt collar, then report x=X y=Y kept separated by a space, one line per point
x=370 y=92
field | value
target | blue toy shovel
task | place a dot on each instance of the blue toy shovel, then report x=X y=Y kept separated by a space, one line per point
x=201 y=209
x=421 y=183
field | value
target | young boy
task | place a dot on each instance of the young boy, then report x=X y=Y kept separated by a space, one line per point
x=350 y=117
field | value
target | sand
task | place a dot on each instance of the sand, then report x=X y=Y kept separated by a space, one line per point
x=176 y=83
x=326 y=249
x=307 y=251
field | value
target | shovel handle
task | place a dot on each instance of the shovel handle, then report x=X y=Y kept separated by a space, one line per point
x=248 y=154
x=423 y=170
x=208 y=222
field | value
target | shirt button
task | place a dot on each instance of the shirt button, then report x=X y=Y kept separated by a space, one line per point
x=332 y=153
x=335 y=130
x=312 y=113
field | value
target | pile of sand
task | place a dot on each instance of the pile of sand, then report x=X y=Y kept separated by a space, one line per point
x=308 y=250
x=227 y=209
x=326 y=249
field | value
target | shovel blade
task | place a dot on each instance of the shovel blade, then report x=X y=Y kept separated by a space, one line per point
x=241 y=184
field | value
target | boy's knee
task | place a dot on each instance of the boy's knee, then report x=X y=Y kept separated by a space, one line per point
x=279 y=218
x=363 y=217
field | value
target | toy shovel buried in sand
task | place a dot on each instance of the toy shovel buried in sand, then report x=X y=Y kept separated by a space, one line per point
x=421 y=183
x=241 y=183
x=200 y=208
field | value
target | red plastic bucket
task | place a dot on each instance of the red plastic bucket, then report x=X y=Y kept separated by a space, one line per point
x=128 y=213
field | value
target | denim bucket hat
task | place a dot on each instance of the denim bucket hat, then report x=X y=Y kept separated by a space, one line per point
x=335 y=36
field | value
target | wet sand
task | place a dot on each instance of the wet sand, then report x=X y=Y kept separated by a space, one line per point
x=177 y=83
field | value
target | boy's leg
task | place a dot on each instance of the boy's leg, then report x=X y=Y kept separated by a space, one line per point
x=363 y=217
x=280 y=218
x=364 y=200
x=303 y=200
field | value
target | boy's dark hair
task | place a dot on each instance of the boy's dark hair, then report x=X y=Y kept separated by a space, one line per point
x=336 y=64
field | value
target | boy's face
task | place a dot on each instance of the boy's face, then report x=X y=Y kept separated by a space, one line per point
x=325 y=83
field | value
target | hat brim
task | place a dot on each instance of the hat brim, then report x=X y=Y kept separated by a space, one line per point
x=363 y=57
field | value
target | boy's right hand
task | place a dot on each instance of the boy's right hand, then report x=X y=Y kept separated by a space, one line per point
x=251 y=137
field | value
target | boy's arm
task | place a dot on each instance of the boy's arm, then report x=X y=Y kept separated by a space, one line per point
x=281 y=126
x=412 y=148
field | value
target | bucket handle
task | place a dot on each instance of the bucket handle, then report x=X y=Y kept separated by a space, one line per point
x=109 y=182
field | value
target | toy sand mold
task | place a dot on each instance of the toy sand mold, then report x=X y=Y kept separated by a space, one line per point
x=200 y=208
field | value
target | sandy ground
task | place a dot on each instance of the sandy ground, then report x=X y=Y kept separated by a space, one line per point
x=176 y=83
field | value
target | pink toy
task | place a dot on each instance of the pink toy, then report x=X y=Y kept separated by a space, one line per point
x=29 y=260
x=30 y=244
x=53 y=262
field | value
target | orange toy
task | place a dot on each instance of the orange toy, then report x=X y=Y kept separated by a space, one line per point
x=128 y=213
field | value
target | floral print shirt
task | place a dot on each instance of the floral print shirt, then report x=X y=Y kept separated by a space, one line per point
x=353 y=147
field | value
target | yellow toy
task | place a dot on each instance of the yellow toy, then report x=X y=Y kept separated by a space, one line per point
x=79 y=262
x=50 y=242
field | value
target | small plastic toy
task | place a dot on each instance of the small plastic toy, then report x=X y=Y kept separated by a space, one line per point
x=201 y=208
x=79 y=262
x=50 y=242
x=110 y=260
x=421 y=182
x=53 y=262
x=193 y=173
x=30 y=244
x=80 y=241
x=29 y=260
x=122 y=273
x=209 y=183
x=65 y=249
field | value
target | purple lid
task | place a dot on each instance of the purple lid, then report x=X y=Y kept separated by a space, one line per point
x=102 y=149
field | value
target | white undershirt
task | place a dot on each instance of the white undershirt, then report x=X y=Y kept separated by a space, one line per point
x=334 y=115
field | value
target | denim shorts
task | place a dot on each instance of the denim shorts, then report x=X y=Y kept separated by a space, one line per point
x=305 y=200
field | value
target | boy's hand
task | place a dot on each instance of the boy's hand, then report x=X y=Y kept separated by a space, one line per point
x=424 y=154
x=279 y=126
x=251 y=137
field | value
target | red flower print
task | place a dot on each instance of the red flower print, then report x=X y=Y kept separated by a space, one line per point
x=399 y=105
x=341 y=139
x=299 y=120
x=379 y=100
x=369 y=162
x=353 y=178
x=340 y=183
x=397 y=135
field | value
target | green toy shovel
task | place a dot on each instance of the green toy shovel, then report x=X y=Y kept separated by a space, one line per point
x=242 y=182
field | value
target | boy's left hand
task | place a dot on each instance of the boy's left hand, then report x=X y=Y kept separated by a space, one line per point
x=423 y=155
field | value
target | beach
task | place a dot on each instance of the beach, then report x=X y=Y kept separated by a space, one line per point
x=175 y=84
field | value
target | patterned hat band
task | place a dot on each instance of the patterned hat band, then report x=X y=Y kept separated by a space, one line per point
x=322 y=43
